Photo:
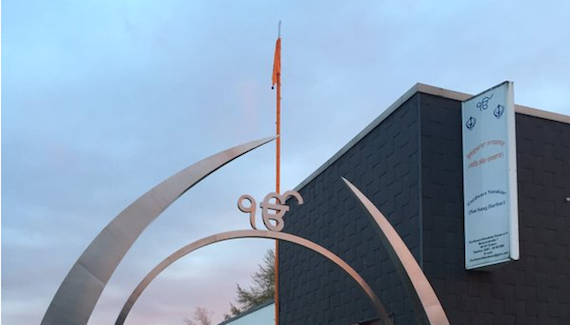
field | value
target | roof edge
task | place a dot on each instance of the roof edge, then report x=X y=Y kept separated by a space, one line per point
x=451 y=94
x=249 y=311
x=430 y=90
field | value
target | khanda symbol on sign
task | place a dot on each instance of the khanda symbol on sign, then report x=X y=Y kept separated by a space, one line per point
x=271 y=212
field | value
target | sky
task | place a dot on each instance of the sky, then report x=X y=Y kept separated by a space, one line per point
x=102 y=100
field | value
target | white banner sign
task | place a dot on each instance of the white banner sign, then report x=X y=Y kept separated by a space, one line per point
x=490 y=178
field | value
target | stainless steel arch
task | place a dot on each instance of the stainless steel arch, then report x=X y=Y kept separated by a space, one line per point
x=77 y=296
x=250 y=234
x=426 y=305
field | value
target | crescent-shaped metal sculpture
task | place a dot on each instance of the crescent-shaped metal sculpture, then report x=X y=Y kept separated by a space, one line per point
x=426 y=305
x=77 y=296
x=385 y=319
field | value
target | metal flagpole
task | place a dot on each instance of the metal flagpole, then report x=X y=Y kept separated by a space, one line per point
x=278 y=123
x=277 y=65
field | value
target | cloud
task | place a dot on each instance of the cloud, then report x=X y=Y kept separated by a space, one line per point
x=102 y=102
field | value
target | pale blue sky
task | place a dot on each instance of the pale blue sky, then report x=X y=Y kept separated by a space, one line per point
x=101 y=100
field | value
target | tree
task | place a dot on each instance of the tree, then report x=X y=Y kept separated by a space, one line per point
x=263 y=288
x=202 y=316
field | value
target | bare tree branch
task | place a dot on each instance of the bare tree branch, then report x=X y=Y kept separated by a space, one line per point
x=202 y=316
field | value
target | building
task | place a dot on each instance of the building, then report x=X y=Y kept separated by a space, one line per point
x=409 y=163
x=263 y=314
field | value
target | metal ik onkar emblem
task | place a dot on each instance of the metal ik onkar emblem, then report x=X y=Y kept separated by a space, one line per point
x=270 y=211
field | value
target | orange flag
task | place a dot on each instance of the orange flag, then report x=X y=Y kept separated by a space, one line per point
x=277 y=63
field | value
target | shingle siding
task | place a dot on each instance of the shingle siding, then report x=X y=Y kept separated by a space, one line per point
x=410 y=167
x=385 y=166
x=533 y=290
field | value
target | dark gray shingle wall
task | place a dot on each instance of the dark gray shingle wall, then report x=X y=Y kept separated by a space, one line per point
x=385 y=166
x=412 y=160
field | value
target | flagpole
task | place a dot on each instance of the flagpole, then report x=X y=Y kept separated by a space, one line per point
x=278 y=165
x=278 y=123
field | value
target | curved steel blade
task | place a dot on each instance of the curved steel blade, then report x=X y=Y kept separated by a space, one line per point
x=426 y=305
x=77 y=296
